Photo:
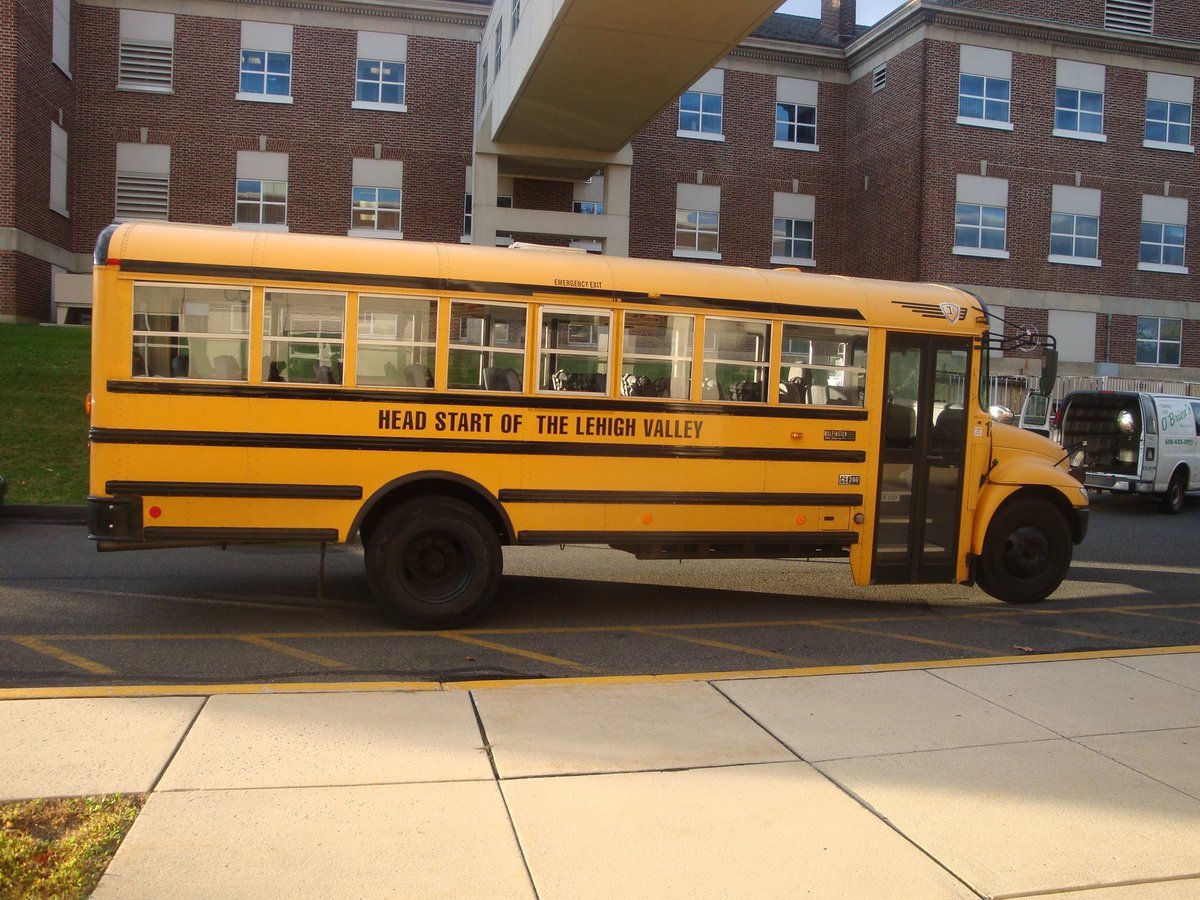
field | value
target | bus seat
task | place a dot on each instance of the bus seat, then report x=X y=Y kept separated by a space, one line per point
x=841 y=396
x=628 y=385
x=512 y=381
x=417 y=375
x=789 y=392
x=179 y=366
x=803 y=381
x=273 y=373
x=493 y=380
x=389 y=373
x=226 y=368
x=711 y=390
x=948 y=429
x=662 y=386
x=819 y=394
x=325 y=375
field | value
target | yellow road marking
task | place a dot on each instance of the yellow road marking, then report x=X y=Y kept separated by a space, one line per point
x=515 y=651
x=266 y=644
x=720 y=645
x=1135 y=567
x=1156 y=616
x=40 y=646
x=901 y=637
x=171 y=690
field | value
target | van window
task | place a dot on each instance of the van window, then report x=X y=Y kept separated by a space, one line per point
x=1196 y=414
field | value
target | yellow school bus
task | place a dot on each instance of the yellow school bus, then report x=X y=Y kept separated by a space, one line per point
x=438 y=402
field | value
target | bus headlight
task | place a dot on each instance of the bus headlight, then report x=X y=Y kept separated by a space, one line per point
x=1001 y=414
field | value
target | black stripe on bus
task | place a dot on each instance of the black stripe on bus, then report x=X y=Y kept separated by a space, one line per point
x=442 y=285
x=240 y=535
x=650 y=406
x=679 y=498
x=250 y=491
x=452 y=445
x=724 y=538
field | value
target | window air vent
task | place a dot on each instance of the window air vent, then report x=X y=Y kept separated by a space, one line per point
x=1129 y=15
x=879 y=78
x=146 y=66
x=142 y=196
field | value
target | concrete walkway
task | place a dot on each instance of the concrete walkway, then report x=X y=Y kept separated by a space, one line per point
x=1022 y=779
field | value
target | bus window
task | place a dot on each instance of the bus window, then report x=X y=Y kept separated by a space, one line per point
x=303 y=337
x=487 y=346
x=397 y=341
x=823 y=365
x=190 y=332
x=736 y=352
x=573 y=352
x=656 y=355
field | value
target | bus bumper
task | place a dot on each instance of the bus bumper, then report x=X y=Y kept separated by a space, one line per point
x=1080 y=526
x=114 y=518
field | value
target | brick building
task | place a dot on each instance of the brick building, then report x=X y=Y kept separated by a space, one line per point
x=1046 y=163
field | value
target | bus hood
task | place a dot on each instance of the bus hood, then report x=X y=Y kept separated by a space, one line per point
x=1022 y=457
x=1017 y=440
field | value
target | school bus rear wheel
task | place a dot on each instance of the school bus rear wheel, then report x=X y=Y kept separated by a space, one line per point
x=433 y=562
x=1026 y=553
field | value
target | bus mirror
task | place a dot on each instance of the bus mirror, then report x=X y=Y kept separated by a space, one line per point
x=1049 y=372
x=1001 y=414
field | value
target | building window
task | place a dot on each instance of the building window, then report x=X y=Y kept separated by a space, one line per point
x=1162 y=245
x=588 y=207
x=375 y=209
x=984 y=98
x=980 y=227
x=1169 y=123
x=1129 y=15
x=266 y=72
x=516 y=15
x=700 y=114
x=1078 y=111
x=1159 y=341
x=261 y=202
x=147 y=51
x=879 y=78
x=483 y=81
x=697 y=231
x=499 y=42
x=379 y=81
x=58 y=169
x=791 y=239
x=143 y=181
x=1074 y=237
x=502 y=202
x=795 y=124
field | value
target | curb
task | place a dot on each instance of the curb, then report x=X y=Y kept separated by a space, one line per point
x=53 y=515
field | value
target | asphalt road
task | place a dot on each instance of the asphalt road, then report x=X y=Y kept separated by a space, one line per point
x=72 y=617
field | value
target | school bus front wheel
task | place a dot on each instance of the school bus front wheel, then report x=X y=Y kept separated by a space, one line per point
x=433 y=562
x=1026 y=553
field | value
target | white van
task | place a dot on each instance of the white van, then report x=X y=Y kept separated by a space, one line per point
x=1134 y=441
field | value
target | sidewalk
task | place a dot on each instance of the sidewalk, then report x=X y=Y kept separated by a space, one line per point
x=1031 y=778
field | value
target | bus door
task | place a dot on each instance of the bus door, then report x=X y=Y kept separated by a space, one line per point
x=921 y=459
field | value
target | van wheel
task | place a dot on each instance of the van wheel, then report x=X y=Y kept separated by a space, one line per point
x=433 y=562
x=1026 y=552
x=1172 y=501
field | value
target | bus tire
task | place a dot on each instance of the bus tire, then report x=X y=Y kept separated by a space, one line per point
x=1026 y=552
x=1172 y=501
x=433 y=562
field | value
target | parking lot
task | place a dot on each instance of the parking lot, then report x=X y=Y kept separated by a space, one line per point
x=70 y=617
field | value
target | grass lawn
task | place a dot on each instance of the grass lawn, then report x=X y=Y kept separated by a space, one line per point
x=43 y=428
x=60 y=848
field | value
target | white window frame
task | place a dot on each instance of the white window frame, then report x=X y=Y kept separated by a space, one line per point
x=269 y=39
x=380 y=105
x=780 y=259
x=978 y=249
x=983 y=122
x=1168 y=144
x=696 y=231
x=712 y=84
x=1078 y=203
x=1079 y=78
x=1073 y=258
x=809 y=146
x=1162 y=245
x=1158 y=342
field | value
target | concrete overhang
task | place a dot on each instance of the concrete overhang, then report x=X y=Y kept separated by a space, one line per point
x=592 y=73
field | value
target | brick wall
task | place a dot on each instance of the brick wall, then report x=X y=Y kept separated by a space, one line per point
x=748 y=169
x=1172 y=18
x=205 y=127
